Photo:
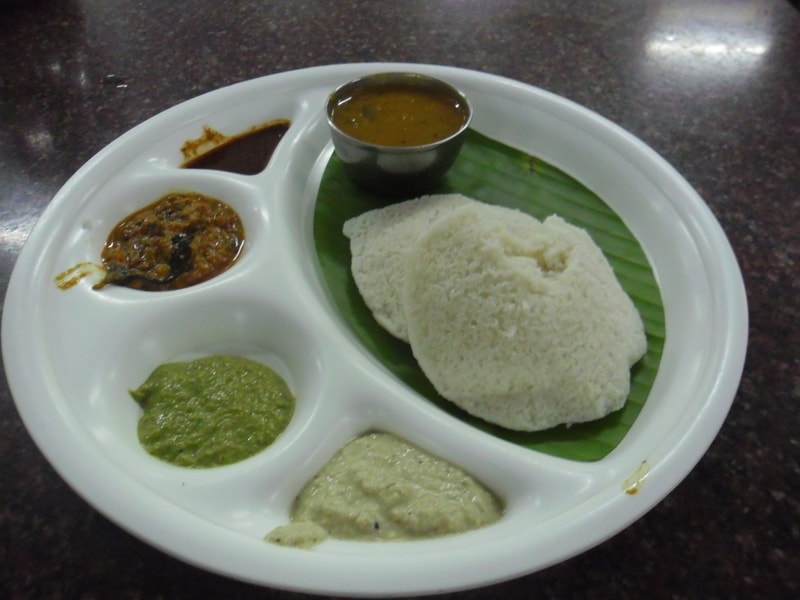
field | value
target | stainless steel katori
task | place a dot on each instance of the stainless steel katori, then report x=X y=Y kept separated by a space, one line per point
x=389 y=169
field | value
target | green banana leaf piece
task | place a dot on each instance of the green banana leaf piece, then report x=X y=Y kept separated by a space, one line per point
x=494 y=173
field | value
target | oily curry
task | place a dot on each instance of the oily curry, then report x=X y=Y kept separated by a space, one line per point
x=182 y=239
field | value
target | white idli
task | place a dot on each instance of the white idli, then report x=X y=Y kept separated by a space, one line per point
x=518 y=322
x=379 y=242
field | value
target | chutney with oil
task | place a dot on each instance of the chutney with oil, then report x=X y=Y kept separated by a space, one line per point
x=180 y=240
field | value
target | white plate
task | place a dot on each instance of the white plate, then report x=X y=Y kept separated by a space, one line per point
x=71 y=356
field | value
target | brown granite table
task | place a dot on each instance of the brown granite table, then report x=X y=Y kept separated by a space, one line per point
x=713 y=86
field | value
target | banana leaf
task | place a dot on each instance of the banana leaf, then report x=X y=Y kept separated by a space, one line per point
x=492 y=172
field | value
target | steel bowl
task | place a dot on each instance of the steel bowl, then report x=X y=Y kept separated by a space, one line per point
x=396 y=169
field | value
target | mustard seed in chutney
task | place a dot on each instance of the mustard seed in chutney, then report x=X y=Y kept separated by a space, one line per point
x=180 y=240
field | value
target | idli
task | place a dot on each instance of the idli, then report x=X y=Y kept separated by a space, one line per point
x=519 y=322
x=379 y=242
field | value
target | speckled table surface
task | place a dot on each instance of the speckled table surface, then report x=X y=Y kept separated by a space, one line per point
x=713 y=86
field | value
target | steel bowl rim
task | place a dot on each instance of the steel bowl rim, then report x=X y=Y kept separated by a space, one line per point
x=366 y=79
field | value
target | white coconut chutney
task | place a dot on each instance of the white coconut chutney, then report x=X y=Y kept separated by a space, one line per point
x=379 y=487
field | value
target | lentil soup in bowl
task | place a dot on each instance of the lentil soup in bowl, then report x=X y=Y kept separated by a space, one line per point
x=397 y=132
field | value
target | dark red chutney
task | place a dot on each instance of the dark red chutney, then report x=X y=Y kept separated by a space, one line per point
x=247 y=153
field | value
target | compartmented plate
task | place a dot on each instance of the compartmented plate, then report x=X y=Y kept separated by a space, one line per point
x=71 y=356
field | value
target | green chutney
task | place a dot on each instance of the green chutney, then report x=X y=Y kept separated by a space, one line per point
x=212 y=411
